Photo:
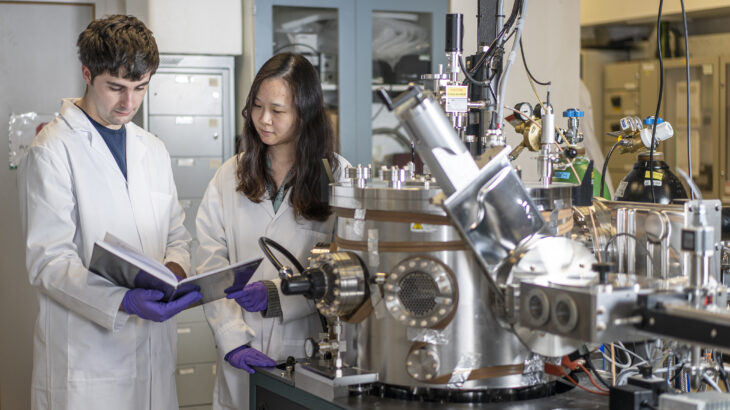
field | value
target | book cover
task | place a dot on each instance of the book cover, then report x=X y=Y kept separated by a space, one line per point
x=121 y=264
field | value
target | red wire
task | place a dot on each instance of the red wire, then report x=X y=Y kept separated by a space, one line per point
x=557 y=370
x=601 y=393
x=590 y=377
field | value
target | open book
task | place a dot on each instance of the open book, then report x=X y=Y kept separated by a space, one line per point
x=121 y=264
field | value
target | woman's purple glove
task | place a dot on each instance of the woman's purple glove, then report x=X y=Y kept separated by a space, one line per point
x=243 y=357
x=146 y=303
x=254 y=297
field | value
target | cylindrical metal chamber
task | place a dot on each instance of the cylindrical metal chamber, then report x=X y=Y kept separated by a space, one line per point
x=430 y=325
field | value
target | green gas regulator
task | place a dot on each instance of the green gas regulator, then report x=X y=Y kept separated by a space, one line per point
x=573 y=163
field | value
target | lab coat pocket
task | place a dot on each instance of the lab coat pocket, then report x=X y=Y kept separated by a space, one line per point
x=96 y=353
x=161 y=208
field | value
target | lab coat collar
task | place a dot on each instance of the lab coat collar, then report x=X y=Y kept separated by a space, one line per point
x=283 y=208
x=79 y=122
x=267 y=205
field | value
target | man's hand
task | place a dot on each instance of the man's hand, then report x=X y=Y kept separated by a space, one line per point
x=177 y=270
x=147 y=304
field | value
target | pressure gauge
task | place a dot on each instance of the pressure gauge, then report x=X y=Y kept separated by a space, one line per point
x=539 y=111
x=525 y=110
x=311 y=347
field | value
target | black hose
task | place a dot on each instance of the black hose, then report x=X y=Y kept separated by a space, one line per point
x=524 y=62
x=592 y=368
x=605 y=165
x=468 y=76
x=613 y=238
x=689 y=119
x=516 y=7
x=659 y=100
x=265 y=242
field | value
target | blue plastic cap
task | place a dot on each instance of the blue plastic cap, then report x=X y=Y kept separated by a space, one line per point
x=650 y=120
x=573 y=113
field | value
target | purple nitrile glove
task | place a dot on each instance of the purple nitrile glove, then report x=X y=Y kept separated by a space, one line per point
x=243 y=357
x=254 y=297
x=146 y=303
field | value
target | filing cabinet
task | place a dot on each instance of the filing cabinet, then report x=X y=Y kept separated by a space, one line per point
x=190 y=135
x=629 y=88
x=190 y=107
x=195 y=384
x=705 y=141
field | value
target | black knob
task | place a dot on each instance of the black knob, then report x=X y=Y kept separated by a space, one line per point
x=291 y=361
x=454 y=32
x=297 y=285
x=602 y=268
x=318 y=282
x=571 y=153
x=645 y=370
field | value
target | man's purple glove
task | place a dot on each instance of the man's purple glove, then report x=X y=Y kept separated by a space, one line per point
x=243 y=357
x=146 y=303
x=254 y=297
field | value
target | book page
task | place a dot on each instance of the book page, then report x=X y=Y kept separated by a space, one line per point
x=213 y=283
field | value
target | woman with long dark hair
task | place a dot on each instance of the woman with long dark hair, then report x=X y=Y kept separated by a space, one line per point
x=277 y=188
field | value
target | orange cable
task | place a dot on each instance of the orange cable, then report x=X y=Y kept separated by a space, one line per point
x=590 y=377
x=600 y=393
x=613 y=365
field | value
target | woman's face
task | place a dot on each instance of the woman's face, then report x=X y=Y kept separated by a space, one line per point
x=273 y=113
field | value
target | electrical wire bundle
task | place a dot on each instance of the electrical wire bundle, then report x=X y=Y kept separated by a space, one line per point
x=495 y=50
x=573 y=366
x=666 y=362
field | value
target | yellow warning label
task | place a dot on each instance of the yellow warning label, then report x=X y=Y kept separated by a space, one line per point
x=417 y=226
x=657 y=175
x=456 y=91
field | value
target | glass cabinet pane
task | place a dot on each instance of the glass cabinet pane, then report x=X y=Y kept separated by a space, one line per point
x=313 y=33
x=401 y=53
x=704 y=140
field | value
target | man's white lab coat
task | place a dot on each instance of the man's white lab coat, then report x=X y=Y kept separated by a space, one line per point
x=88 y=354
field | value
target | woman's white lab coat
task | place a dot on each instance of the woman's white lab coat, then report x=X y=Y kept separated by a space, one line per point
x=229 y=226
x=88 y=354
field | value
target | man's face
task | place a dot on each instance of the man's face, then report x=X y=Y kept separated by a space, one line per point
x=112 y=101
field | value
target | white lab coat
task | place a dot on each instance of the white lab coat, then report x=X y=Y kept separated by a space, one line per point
x=229 y=226
x=88 y=354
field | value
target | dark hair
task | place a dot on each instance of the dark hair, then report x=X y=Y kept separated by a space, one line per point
x=314 y=141
x=118 y=44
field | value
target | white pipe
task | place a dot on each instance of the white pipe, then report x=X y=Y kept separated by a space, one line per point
x=508 y=66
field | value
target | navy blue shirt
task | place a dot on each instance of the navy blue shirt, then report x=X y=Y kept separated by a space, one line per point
x=116 y=140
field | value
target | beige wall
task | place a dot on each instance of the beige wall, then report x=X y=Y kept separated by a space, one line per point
x=593 y=12
x=192 y=26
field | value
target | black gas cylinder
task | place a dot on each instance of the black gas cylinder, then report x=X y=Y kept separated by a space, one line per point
x=636 y=185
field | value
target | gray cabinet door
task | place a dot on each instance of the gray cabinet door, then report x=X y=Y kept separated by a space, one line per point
x=185 y=94
x=192 y=174
x=188 y=135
